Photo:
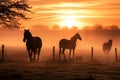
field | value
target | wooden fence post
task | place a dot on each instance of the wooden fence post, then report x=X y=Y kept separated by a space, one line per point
x=91 y=53
x=59 y=55
x=116 y=54
x=2 y=52
x=53 y=53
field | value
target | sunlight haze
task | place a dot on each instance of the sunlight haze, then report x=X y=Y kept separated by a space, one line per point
x=81 y=12
x=51 y=18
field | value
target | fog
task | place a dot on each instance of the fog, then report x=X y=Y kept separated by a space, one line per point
x=13 y=40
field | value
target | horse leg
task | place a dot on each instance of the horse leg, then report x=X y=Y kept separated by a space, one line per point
x=29 y=54
x=34 y=56
x=69 y=54
x=104 y=50
x=73 y=53
x=39 y=53
x=59 y=54
x=64 y=53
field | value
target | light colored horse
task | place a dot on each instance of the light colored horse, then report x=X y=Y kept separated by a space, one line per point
x=107 y=47
x=68 y=44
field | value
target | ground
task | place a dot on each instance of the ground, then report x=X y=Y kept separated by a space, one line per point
x=17 y=67
x=59 y=71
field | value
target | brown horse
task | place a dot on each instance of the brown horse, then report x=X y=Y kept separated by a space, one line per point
x=107 y=47
x=68 y=44
x=33 y=44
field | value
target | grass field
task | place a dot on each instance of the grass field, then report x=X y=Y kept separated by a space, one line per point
x=17 y=67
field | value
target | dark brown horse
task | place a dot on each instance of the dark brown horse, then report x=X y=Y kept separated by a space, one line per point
x=68 y=44
x=107 y=47
x=33 y=44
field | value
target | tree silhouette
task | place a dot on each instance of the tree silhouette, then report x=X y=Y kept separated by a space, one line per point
x=12 y=11
x=98 y=27
x=114 y=27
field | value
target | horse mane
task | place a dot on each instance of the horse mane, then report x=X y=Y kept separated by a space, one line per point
x=29 y=34
x=74 y=36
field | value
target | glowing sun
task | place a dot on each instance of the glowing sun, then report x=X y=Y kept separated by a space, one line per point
x=69 y=23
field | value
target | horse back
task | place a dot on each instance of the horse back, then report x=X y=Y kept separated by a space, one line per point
x=64 y=43
x=37 y=42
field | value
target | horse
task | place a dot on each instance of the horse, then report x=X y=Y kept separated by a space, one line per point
x=33 y=44
x=68 y=44
x=107 y=47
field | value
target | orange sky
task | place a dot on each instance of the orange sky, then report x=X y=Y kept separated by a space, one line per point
x=74 y=12
x=64 y=13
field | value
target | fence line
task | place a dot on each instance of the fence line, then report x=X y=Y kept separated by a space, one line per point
x=53 y=53
x=92 y=55
x=3 y=52
x=116 y=58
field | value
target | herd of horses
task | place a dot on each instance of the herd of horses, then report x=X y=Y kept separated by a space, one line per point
x=34 y=45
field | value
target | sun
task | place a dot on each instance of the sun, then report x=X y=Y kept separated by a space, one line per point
x=69 y=23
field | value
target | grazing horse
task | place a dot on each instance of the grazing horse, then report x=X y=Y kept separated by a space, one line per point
x=107 y=47
x=68 y=44
x=33 y=44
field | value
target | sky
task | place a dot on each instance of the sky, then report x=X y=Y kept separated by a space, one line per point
x=56 y=14
x=73 y=13
x=53 y=20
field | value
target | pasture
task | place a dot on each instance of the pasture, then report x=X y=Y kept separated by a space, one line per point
x=18 y=67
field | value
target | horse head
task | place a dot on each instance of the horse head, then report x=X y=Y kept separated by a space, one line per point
x=78 y=36
x=110 y=42
x=26 y=35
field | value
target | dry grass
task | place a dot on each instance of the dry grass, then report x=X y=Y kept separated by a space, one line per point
x=18 y=67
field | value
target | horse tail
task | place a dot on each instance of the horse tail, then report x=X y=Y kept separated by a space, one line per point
x=104 y=47
x=39 y=47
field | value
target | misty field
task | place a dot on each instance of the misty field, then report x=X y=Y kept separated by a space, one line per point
x=17 y=67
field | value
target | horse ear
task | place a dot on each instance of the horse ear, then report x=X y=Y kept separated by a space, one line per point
x=110 y=39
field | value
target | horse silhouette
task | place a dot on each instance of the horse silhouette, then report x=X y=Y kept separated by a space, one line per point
x=68 y=44
x=107 y=47
x=33 y=44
